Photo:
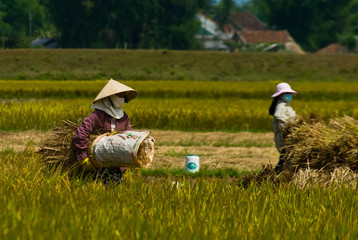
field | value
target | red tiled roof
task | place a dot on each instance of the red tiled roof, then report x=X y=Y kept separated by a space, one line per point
x=245 y=20
x=265 y=36
x=332 y=48
x=229 y=28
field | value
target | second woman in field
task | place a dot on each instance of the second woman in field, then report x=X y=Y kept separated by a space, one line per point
x=283 y=113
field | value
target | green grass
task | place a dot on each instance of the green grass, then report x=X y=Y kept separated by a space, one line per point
x=84 y=64
x=39 y=204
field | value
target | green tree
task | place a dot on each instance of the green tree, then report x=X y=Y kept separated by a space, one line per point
x=132 y=23
x=349 y=41
x=20 y=20
x=171 y=24
x=223 y=10
x=5 y=27
x=313 y=24
x=349 y=33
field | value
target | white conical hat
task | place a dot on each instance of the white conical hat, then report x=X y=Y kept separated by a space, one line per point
x=114 y=87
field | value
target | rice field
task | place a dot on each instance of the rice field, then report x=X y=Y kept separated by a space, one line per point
x=171 y=105
x=38 y=203
x=169 y=114
x=308 y=90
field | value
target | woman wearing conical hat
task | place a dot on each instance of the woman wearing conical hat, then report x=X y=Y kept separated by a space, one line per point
x=282 y=113
x=108 y=116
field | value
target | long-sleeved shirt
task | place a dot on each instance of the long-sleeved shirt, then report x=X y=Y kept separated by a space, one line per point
x=283 y=114
x=100 y=121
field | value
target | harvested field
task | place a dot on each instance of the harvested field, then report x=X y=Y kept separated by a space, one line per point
x=19 y=140
x=243 y=150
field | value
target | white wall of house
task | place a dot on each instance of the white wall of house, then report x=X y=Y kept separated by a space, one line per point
x=209 y=25
x=214 y=40
x=211 y=43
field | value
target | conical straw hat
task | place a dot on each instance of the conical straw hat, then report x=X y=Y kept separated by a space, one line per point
x=114 y=87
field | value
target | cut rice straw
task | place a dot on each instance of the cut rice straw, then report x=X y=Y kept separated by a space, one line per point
x=316 y=145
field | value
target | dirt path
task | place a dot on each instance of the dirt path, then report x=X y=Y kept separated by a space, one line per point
x=244 y=151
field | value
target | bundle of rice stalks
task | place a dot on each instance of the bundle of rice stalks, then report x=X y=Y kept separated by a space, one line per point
x=317 y=145
x=58 y=149
x=303 y=178
x=339 y=176
x=146 y=152
x=266 y=174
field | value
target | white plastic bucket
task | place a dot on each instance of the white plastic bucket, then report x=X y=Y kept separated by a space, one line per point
x=192 y=163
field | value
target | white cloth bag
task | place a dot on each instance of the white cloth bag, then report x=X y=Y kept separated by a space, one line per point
x=121 y=150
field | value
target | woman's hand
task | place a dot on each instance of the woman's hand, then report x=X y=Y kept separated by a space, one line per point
x=87 y=165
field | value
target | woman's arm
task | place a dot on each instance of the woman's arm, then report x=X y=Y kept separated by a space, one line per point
x=284 y=113
x=128 y=125
x=80 y=140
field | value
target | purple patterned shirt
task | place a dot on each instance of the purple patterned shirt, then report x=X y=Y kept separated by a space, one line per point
x=100 y=121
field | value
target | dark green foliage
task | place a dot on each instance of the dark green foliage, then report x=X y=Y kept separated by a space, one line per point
x=349 y=41
x=169 y=24
x=21 y=21
x=126 y=24
x=101 y=24
x=223 y=10
x=313 y=24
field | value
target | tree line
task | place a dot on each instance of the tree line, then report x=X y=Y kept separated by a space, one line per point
x=312 y=23
x=170 y=24
x=133 y=24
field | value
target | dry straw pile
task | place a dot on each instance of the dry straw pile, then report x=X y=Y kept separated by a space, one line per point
x=315 y=153
x=303 y=178
x=339 y=176
x=266 y=174
x=313 y=144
